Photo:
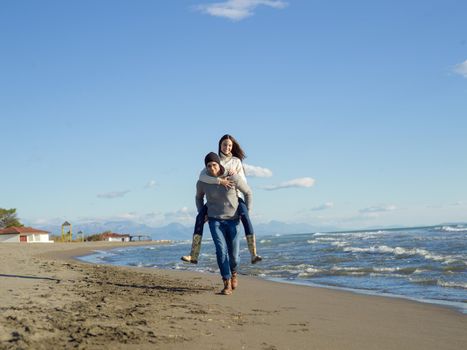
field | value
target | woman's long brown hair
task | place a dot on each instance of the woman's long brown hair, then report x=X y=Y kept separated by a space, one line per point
x=237 y=150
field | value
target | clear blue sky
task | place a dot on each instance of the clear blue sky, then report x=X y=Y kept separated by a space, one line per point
x=108 y=108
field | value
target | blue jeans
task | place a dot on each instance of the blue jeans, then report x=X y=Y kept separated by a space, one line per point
x=242 y=212
x=227 y=241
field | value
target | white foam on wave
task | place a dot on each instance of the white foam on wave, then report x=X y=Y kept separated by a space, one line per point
x=321 y=240
x=340 y=244
x=302 y=270
x=339 y=268
x=310 y=271
x=454 y=229
x=462 y=285
x=372 y=271
x=363 y=235
x=386 y=269
x=320 y=234
x=447 y=259
x=326 y=239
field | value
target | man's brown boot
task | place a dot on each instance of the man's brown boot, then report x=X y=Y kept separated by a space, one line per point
x=234 y=280
x=227 y=287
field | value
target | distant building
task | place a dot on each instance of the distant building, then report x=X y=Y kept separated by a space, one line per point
x=24 y=234
x=115 y=237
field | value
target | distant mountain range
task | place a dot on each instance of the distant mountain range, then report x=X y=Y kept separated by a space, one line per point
x=176 y=231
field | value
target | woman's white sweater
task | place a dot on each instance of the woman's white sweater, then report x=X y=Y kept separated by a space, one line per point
x=229 y=163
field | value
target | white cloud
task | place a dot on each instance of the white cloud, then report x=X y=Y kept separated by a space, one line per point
x=47 y=221
x=151 y=184
x=236 y=10
x=325 y=206
x=461 y=69
x=256 y=171
x=301 y=182
x=128 y=216
x=182 y=215
x=152 y=219
x=112 y=195
x=378 y=209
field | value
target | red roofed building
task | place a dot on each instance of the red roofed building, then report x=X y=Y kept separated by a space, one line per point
x=24 y=234
x=115 y=237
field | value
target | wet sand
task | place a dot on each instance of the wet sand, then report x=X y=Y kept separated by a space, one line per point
x=48 y=300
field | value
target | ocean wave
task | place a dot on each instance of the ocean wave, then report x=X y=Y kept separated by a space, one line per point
x=309 y=272
x=340 y=244
x=461 y=285
x=348 y=271
x=300 y=270
x=363 y=235
x=399 y=251
x=322 y=240
x=440 y=283
x=326 y=239
x=424 y=281
x=453 y=228
x=103 y=252
x=373 y=270
x=455 y=268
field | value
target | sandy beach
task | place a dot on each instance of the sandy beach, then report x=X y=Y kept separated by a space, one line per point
x=51 y=301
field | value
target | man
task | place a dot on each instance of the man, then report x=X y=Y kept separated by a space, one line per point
x=223 y=219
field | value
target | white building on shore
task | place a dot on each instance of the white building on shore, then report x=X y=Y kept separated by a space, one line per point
x=115 y=237
x=24 y=235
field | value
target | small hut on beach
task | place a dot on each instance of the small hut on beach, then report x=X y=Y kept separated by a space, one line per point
x=115 y=237
x=24 y=235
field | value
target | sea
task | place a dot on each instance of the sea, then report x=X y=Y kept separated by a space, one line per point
x=426 y=264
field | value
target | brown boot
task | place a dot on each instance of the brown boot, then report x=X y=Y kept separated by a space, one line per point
x=195 y=249
x=234 y=280
x=227 y=287
x=251 y=242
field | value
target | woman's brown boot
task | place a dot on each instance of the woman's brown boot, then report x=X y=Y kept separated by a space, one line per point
x=251 y=242
x=195 y=249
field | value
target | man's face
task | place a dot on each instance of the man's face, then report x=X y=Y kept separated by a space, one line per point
x=213 y=168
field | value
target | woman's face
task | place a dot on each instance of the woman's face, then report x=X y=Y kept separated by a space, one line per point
x=226 y=146
x=213 y=168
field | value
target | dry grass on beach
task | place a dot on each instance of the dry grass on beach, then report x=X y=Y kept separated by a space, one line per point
x=49 y=301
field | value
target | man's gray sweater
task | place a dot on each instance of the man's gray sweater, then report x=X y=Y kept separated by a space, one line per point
x=222 y=203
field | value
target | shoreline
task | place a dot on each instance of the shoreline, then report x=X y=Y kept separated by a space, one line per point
x=452 y=305
x=50 y=299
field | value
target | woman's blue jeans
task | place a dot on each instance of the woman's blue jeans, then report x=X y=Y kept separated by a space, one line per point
x=227 y=241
